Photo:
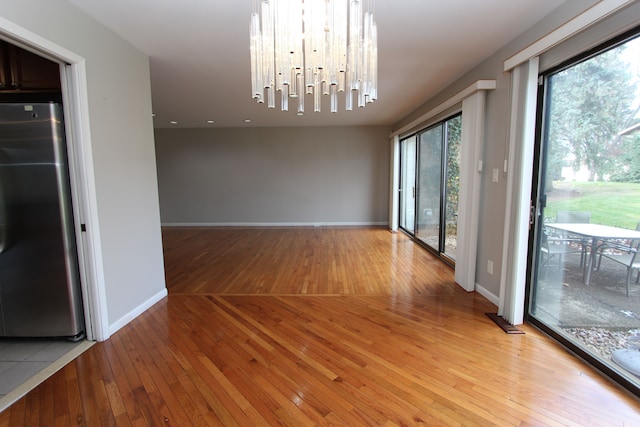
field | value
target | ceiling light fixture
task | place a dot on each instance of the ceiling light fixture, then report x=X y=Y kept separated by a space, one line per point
x=315 y=48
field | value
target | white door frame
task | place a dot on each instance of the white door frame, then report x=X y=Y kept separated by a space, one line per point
x=85 y=208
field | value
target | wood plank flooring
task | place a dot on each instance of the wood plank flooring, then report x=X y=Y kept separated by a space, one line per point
x=296 y=327
x=300 y=261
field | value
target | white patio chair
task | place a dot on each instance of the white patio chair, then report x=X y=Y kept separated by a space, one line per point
x=557 y=247
x=573 y=217
x=622 y=253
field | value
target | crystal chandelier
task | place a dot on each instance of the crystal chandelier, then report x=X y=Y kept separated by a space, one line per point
x=313 y=48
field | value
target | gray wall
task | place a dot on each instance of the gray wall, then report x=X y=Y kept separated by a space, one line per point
x=121 y=138
x=263 y=176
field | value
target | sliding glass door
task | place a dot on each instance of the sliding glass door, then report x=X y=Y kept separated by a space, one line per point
x=430 y=174
x=584 y=286
x=430 y=187
x=408 y=184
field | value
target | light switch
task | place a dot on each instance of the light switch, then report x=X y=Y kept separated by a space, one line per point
x=496 y=174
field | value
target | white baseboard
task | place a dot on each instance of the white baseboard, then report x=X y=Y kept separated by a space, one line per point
x=115 y=326
x=274 y=224
x=495 y=300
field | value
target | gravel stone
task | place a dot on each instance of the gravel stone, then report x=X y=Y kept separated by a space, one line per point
x=603 y=341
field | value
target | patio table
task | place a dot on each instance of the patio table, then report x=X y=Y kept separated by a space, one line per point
x=596 y=233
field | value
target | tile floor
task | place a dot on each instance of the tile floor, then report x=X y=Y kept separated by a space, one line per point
x=24 y=363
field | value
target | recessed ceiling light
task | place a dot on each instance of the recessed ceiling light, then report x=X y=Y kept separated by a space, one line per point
x=173 y=122
x=210 y=121
x=247 y=120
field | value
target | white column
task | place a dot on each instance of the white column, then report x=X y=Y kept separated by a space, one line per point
x=394 y=183
x=471 y=150
x=513 y=276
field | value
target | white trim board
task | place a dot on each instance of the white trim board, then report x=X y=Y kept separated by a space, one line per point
x=275 y=224
x=455 y=99
x=31 y=39
x=471 y=152
x=515 y=235
x=394 y=183
x=493 y=299
x=595 y=13
x=124 y=320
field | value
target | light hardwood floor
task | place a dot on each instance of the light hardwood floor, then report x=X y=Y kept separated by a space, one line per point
x=319 y=326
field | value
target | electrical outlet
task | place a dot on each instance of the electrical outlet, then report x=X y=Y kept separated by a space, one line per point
x=490 y=267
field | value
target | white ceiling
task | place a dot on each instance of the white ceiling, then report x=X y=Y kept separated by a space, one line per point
x=199 y=55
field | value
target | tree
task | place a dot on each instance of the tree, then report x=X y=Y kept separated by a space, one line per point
x=629 y=169
x=454 y=135
x=590 y=103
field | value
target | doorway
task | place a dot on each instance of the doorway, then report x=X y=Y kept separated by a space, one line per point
x=29 y=78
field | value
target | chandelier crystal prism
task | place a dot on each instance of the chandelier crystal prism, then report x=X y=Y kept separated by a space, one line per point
x=310 y=48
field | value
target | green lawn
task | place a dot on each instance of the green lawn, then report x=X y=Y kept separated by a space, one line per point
x=610 y=203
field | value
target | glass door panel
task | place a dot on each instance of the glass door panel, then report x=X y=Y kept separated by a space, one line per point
x=584 y=290
x=430 y=186
x=452 y=182
x=408 y=183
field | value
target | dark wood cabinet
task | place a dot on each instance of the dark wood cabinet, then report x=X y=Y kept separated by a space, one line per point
x=22 y=70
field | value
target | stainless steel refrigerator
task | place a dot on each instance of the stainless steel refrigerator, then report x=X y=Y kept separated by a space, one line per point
x=40 y=292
